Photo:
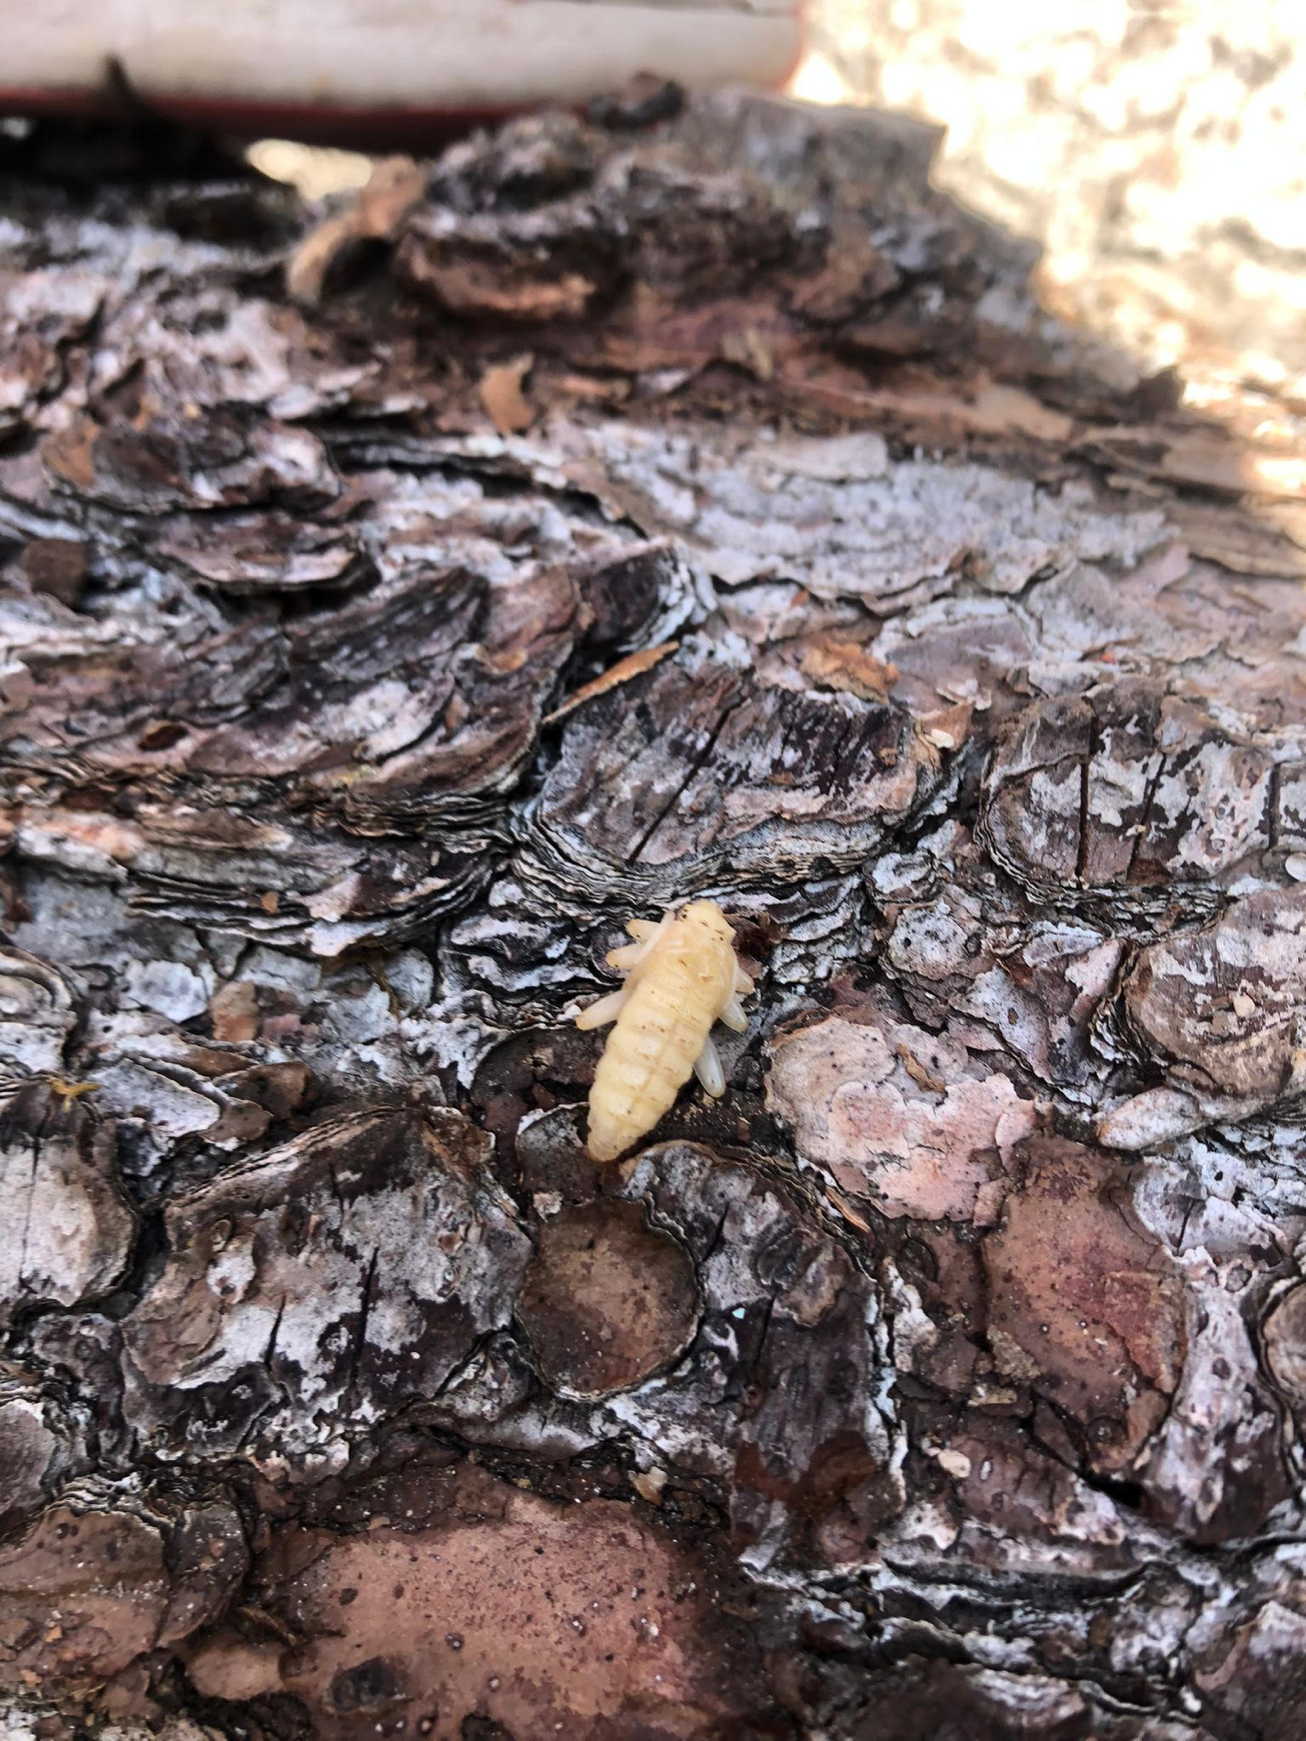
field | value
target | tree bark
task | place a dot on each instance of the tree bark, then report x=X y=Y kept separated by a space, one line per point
x=669 y=502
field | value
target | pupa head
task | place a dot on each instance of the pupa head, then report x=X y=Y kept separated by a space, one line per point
x=708 y=917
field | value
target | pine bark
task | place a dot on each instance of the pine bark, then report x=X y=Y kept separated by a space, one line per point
x=676 y=500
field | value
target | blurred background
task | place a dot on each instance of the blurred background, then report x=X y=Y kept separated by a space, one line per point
x=1156 y=149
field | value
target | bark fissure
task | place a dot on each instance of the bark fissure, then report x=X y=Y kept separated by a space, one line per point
x=701 y=757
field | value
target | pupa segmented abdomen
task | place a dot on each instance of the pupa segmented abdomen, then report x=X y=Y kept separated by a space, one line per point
x=682 y=977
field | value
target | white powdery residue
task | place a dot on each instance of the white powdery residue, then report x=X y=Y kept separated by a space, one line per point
x=246 y=1333
x=232 y=1272
x=301 y=1322
x=545 y=462
x=357 y=1013
x=396 y=1319
x=411 y=978
x=1117 y=787
x=929 y=1522
x=452 y=1035
x=911 y=1329
x=882 y=1425
x=170 y=988
x=274 y=967
x=1051 y=796
x=645 y=1413
x=175 y=1109
x=728 y=1273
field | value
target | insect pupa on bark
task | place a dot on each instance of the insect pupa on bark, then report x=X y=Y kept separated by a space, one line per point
x=682 y=976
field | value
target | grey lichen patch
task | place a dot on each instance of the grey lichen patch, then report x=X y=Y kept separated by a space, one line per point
x=841 y=522
x=313 y=1290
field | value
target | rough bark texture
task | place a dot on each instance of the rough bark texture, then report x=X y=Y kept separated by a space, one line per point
x=651 y=505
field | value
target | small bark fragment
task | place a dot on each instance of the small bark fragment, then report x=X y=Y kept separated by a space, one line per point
x=906 y=1119
x=67 y=1231
x=502 y=395
x=112 y=1585
x=633 y=665
x=394 y=187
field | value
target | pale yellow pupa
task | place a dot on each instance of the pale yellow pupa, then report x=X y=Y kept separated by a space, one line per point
x=681 y=978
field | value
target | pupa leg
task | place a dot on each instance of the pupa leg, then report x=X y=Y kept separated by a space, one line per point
x=606 y=1010
x=626 y=957
x=630 y=955
x=733 y=1015
x=707 y=1067
x=743 y=984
